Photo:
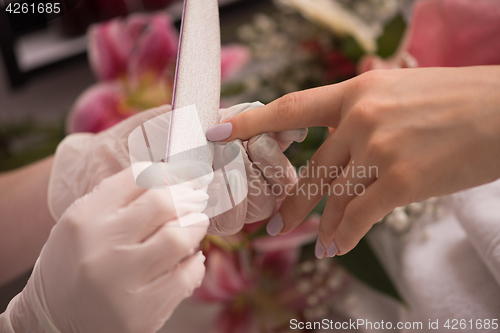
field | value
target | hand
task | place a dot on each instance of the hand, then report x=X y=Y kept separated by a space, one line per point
x=116 y=261
x=416 y=133
x=263 y=159
x=82 y=160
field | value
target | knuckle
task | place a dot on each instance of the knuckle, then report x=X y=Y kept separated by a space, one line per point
x=364 y=114
x=287 y=106
x=368 y=79
x=379 y=149
x=353 y=216
x=337 y=204
x=74 y=217
x=401 y=186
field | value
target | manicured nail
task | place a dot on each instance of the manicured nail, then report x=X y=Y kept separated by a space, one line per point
x=332 y=249
x=275 y=225
x=319 y=250
x=219 y=132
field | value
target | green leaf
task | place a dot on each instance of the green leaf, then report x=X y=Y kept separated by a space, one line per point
x=388 y=42
x=364 y=265
x=27 y=142
x=351 y=49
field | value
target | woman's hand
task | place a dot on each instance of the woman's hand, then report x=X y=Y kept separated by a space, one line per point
x=400 y=136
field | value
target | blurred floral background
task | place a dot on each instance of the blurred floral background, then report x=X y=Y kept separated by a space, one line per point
x=291 y=45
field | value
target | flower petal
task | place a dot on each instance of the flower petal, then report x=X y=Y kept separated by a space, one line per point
x=109 y=48
x=447 y=33
x=456 y=33
x=155 y=50
x=224 y=279
x=99 y=107
x=233 y=58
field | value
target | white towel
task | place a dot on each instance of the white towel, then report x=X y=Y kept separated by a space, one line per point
x=448 y=267
x=478 y=211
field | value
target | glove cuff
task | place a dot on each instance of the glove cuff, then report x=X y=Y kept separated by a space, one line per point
x=28 y=311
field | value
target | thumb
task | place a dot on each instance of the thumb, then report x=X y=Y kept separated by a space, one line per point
x=314 y=107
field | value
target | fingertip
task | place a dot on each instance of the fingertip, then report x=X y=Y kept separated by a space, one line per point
x=220 y=132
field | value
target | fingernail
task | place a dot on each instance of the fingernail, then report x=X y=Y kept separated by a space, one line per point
x=219 y=132
x=275 y=225
x=319 y=250
x=332 y=249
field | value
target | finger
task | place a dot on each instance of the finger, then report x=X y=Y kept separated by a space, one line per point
x=257 y=205
x=260 y=201
x=286 y=138
x=163 y=295
x=245 y=181
x=142 y=218
x=273 y=164
x=360 y=215
x=314 y=107
x=170 y=245
x=111 y=194
x=348 y=186
x=325 y=165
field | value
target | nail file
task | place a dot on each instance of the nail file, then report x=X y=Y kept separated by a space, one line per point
x=196 y=97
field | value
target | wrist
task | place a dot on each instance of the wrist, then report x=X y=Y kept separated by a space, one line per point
x=28 y=312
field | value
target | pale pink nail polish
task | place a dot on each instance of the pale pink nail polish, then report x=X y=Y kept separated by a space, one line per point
x=319 y=250
x=219 y=132
x=275 y=225
x=332 y=249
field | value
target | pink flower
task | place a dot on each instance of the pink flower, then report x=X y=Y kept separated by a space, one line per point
x=447 y=33
x=135 y=46
x=99 y=107
x=155 y=50
x=277 y=256
x=137 y=56
x=236 y=318
x=225 y=279
x=233 y=58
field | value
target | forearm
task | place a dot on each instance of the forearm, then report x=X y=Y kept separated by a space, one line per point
x=25 y=220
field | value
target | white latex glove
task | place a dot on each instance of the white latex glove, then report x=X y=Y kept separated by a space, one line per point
x=82 y=160
x=268 y=173
x=114 y=262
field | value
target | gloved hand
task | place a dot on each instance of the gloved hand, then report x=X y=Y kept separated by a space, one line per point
x=116 y=261
x=269 y=174
x=82 y=160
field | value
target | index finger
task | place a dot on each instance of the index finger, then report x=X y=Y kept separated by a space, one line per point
x=313 y=107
